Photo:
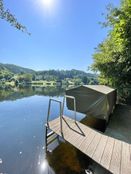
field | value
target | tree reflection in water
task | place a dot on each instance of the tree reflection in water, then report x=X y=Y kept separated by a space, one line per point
x=66 y=159
x=8 y=93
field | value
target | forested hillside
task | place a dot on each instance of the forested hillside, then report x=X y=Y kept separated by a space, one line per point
x=62 y=74
x=9 y=71
x=15 y=69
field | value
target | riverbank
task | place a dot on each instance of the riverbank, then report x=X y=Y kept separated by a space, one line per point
x=120 y=123
x=40 y=83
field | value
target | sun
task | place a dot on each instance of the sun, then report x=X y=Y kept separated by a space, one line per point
x=49 y=8
x=48 y=3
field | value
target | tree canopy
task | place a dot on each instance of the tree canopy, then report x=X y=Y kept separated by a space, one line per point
x=113 y=56
x=9 y=17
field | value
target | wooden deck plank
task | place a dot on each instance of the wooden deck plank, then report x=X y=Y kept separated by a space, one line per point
x=100 y=149
x=87 y=141
x=54 y=123
x=116 y=157
x=107 y=154
x=92 y=147
x=69 y=132
x=112 y=154
x=126 y=159
x=83 y=139
x=75 y=134
x=55 y=126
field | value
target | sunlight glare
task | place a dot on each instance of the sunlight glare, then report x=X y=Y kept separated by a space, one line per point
x=48 y=5
x=50 y=8
x=44 y=165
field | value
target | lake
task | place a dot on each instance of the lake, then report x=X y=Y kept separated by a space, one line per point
x=23 y=113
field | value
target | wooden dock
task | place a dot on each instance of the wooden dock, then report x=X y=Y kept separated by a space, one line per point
x=114 y=155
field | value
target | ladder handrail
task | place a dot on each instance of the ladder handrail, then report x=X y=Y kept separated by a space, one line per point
x=48 y=113
x=73 y=98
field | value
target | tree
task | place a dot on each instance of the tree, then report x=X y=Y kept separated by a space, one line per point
x=9 y=17
x=113 y=56
x=24 y=78
x=85 y=80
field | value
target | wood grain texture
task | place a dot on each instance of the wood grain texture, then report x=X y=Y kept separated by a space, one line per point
x=107 y=154
x=126 y=159
x=100 y=149
x=115 y=164
x=114 y=155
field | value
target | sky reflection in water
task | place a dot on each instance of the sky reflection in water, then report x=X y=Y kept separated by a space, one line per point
x=22 y=132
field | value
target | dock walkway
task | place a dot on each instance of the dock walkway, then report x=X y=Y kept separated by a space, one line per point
x=112 y=154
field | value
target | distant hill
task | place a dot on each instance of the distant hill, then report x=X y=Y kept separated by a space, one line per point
x=62 y=74
x=15 y=69
x=9 y=70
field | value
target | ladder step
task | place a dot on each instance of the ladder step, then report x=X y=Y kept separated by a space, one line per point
x=51 y=140
x=52 y=137
x=50 y=134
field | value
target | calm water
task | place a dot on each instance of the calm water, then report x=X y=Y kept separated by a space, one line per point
x=23 y=114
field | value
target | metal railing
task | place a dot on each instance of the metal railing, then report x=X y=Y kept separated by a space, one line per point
x=60 y=112
x=61 y=109
x=74 y=100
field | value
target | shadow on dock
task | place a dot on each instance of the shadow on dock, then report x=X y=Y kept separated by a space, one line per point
x=66 y=159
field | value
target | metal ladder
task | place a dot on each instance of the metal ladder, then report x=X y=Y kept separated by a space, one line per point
x=49 y=136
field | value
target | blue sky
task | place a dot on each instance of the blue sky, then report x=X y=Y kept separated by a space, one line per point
x=63 y=35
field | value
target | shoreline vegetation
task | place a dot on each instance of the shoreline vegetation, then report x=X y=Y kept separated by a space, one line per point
x=12 y=75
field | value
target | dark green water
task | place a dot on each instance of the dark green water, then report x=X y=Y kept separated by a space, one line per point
x=23 y=113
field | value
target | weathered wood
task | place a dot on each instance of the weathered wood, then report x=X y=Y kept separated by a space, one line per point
x=126 y=159
x=100 y=149
x=112 y=154
x=87 y=142
x=116 y=157
x=107 y=154
x=92 y=147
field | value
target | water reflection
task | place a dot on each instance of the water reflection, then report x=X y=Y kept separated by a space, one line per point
x=66 y=159
x=22 y=128
x=45 y=168
x=8 y=93
x=22 y=135
x=44 y=165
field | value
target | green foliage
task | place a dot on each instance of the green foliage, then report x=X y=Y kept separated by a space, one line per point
x=16 y=69
x=113 y=56
x=77 y=81
x=5 y=74
x=9 y=93
x=63 y=74
x=9 y=17
x=85 y=80
x=9 y=72
x=24 y=78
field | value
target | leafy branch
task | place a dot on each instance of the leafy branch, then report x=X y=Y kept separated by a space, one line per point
x=9 y=17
